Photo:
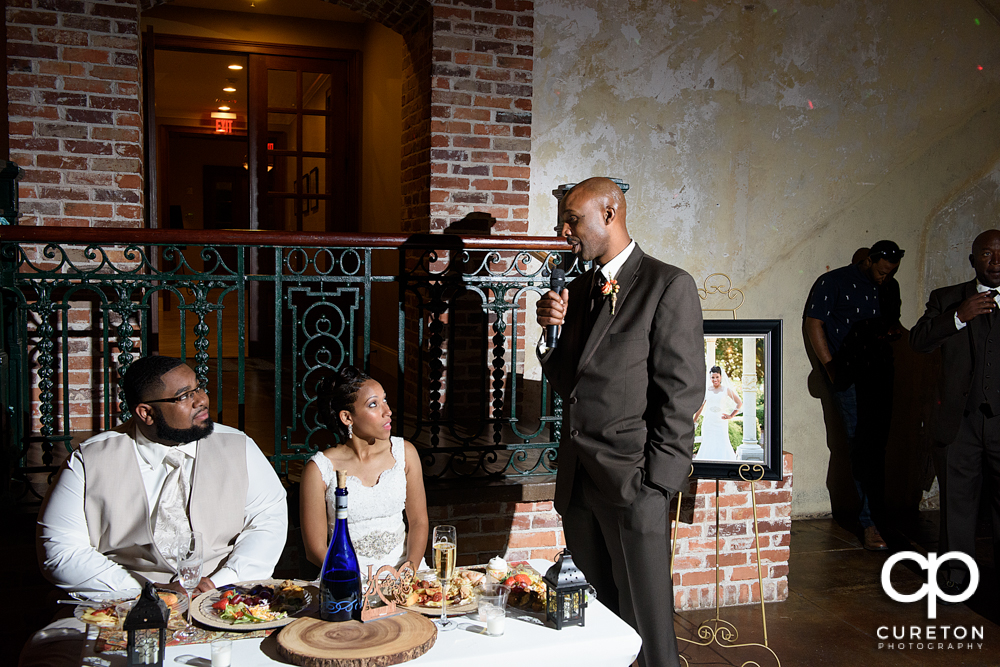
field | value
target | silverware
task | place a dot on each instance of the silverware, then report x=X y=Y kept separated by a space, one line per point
x=84 y=603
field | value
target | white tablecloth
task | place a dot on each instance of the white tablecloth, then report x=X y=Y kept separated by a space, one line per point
x=605 y=641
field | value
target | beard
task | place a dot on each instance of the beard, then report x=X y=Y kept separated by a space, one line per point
x=166 y=433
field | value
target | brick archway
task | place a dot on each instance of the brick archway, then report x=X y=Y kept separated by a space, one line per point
x=75 y=120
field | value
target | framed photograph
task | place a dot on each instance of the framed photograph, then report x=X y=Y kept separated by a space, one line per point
x=738 y=427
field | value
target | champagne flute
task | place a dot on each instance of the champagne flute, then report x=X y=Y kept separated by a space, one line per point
x=189 y=564
x=445 y=551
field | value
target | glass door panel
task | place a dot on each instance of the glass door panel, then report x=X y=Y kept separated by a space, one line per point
x=310 y=142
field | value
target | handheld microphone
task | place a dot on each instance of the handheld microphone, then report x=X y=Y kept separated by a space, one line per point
x=556 y=283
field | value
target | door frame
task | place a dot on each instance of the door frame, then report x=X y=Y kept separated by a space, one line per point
x=256 y=85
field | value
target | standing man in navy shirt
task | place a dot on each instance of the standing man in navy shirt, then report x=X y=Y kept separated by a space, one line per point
x=849 y=322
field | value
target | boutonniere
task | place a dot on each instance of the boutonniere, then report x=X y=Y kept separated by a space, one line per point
x=611 y=289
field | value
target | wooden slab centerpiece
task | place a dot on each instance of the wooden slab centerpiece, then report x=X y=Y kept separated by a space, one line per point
x=388 y=641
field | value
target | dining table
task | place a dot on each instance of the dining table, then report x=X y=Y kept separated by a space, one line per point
x=604 y=641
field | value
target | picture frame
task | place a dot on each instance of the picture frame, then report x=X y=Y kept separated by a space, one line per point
x=757 y=457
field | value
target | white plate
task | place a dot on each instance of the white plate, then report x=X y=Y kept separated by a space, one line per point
x=204 y=614
x=115 y=598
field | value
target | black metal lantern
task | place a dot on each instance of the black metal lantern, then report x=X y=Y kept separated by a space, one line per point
x=146 y=629
x=566 y=592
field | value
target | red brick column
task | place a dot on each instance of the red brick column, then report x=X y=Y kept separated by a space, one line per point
x=74 y=110
x=481 y=112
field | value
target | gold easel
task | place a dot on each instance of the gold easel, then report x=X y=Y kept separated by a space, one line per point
x=716 y=630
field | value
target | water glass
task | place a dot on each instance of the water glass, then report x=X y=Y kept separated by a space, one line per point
x=222 y=653
x=493 y=610
x=189 y=559
x=121 y=611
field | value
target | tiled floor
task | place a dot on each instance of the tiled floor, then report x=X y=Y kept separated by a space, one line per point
x=836 y=606
x=834 y=609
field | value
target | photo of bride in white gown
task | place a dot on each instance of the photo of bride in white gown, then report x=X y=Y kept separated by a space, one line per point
x=718 y=409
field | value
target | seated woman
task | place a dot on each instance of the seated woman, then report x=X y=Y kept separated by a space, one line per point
x=384 y=478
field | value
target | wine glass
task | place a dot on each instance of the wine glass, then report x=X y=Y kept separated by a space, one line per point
x=445 y=551
x=189 y=563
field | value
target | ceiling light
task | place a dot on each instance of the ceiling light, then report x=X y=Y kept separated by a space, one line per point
x=219 y=114
x=223 y=108
x=229 y=89
x=236 y=67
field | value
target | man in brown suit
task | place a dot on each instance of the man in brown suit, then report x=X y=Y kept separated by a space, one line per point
x=962 y=321
x=630 y=366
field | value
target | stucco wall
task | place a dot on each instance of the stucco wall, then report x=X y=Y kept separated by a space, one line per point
x=770 y=140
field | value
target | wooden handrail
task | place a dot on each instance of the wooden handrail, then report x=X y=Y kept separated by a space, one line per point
x=244 y=237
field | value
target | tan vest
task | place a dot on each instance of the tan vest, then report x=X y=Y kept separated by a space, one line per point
x=118 y=514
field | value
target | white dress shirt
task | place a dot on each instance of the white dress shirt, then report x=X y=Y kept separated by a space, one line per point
x=70 y=560
x=959 y=324
x=609 y=270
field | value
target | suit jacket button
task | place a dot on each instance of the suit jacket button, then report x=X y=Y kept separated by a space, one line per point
x=574 y=433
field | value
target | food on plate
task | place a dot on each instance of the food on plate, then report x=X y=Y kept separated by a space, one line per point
x=427 y=588
x=497 y=568
x=168 y=597
x=289 y=597
x=101 y=616
x=260 y=603
x=106 y=616
x=527 y=588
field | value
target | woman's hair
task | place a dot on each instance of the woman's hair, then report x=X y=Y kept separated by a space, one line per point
x=715 y=369
x=339 y=393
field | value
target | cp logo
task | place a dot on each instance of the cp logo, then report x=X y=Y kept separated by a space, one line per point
x=930 y=590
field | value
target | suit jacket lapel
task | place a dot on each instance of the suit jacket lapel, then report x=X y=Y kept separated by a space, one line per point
x=626 y=278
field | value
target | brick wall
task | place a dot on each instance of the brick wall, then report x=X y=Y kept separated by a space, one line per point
x=75 y=122
x=75 y=127
x=516 y=531
x=481 y=112
x=519 y=531
x=694 y=570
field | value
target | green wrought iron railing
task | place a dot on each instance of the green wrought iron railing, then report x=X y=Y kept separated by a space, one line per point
x=263 y=317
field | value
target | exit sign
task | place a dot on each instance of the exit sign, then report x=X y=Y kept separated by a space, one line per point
x=223 y=126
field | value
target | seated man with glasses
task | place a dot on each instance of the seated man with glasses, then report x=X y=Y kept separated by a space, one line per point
x=126 y=495
x=850 y=319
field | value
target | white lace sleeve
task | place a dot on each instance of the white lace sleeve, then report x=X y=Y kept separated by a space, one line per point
x=325 y=467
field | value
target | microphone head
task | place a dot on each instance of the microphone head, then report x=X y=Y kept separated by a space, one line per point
x=558 y=280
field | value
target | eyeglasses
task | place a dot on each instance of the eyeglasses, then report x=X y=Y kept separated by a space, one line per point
x=891 y=256
x=183 y=398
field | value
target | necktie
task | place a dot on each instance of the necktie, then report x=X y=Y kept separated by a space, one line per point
x=596 y=299
x=171 y=512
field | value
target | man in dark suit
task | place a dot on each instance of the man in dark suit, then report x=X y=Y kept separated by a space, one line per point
x=630 y=366
x=962 y=321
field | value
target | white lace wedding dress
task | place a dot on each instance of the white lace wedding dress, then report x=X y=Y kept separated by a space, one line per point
x=374 y=513
x=715 y=444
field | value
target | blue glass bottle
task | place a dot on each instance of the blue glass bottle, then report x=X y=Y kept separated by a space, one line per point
x=340 y=578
